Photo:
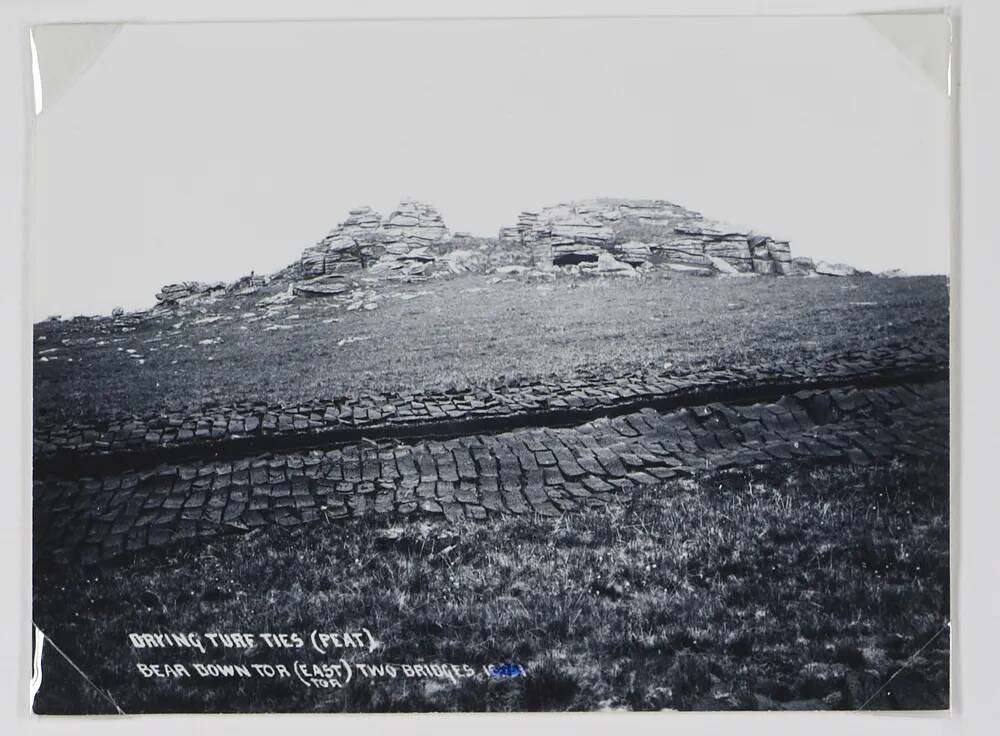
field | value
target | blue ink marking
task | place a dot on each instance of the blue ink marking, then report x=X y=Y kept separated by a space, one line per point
x=506 y=670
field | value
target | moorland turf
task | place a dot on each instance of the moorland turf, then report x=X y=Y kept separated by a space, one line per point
x=463 y=331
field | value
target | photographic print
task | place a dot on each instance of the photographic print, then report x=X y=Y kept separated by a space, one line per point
x=491 y=365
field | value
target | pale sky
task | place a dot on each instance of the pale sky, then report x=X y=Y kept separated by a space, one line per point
x=201 y=152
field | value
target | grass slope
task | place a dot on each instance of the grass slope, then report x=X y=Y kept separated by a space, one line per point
x=761 y=588
x=462 y=331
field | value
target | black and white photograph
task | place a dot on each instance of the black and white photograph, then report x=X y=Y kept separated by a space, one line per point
x=478 y=365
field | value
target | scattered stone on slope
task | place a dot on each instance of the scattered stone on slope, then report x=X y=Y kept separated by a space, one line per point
x=248 y=284
x=803 y=266
x=172 y=295
x=692 y=269
x=322 y=286
x=279 y=299
x=835 y=269
x=186 y=290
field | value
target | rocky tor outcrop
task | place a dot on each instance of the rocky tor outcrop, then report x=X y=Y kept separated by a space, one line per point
x=399 y=242
x=638 y=232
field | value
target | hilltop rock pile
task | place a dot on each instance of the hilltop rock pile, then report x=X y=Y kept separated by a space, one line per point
x=598 y=236
x=401 y=242
x=601 y=237
x=638 y=232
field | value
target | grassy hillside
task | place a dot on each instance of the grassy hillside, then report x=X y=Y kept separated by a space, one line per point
x=463 y=330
